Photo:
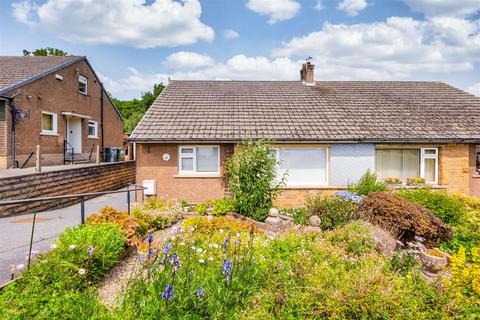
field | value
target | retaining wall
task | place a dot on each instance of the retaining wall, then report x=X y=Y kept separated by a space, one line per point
x=93 y=178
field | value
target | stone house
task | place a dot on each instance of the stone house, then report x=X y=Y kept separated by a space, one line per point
x=326 y=134
x=58 y=103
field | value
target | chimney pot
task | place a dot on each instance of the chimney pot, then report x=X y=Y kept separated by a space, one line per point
x=307 y=74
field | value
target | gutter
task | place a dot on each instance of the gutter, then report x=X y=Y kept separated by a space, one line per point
x=13 y=110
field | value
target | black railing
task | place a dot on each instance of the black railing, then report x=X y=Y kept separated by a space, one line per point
x=66 y=146
x=81 y=197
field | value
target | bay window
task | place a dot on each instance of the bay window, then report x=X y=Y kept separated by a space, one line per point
x=199 y=159
x=407 y=163
x=304 y=166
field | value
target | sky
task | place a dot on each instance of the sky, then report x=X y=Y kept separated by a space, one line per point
x=133 y=44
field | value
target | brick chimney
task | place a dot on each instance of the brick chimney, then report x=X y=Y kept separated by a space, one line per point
x=306 y=74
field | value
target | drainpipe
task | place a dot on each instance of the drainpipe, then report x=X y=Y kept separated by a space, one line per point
x=13 y=110
x=101 y=115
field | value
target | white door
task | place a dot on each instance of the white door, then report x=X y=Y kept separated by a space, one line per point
x=74 y=133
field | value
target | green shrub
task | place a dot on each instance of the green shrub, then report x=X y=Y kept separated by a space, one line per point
x=251 y=174
x=355 y=237
x=403 y=262
x=218 y=207
x=299 y=215
x=333 y=211
x=449 y=208
x=367 y=183
x=404 y=218
x=58 y=284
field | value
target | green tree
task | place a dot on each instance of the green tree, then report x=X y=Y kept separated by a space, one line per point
x=133 y=110
x=48 y=51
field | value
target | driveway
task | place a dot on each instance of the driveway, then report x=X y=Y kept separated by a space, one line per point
x=15 y=231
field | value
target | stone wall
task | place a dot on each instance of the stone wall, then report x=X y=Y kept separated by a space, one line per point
x=87 y=179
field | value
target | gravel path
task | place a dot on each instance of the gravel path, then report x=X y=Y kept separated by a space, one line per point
x=116 y=280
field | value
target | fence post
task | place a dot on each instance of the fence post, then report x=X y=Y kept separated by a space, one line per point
x=128 y=199
x=135 y=197
x=38 y=159
x=31 y=240
x=82 y=210
x=97 y=155
x=143 y=195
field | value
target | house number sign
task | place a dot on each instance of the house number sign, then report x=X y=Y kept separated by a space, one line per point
x=166 y=157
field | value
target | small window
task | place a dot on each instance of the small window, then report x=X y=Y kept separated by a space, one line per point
x=477 y=159
x=49 y=123
x=92 y=129
x=201 y=159
x=82 y=84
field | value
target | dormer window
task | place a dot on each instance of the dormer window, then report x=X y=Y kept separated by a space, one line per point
x=82 y=84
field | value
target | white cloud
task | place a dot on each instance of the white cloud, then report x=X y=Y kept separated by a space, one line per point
x=457 y=8
x=187 y=60
x=352 y=7
x=277 y=10
x=474 y=89
x=318 y=6
x=230 y=34
x=396 y=48
x=162 y=23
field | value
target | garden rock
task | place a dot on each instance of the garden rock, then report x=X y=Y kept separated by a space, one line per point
x=385 y=243
x=314 y=221
x=433 y=261
x=273 y=212
x=274 y=223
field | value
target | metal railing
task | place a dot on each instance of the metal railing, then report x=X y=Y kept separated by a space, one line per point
x=81 y=197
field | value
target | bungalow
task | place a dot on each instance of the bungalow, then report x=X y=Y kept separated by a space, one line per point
x=57 y=103
x=327 y=134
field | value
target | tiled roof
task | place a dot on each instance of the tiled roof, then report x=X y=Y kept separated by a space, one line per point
x=329 y=111
x=15 y=70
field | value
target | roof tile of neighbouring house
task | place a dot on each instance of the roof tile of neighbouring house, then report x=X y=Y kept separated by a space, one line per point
x=17 y=69
x=329 y=111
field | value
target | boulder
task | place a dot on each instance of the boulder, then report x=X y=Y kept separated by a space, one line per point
x=314 y=221
x=273 y=212
x=385 y=243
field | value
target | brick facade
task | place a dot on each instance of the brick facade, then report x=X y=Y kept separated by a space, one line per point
x=50 y=94
x=456 y=174
x=93 y=178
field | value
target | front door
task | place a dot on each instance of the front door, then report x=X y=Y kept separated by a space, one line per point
x=74 y=133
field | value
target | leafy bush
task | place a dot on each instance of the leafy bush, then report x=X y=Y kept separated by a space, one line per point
x=333 y=211
x=156 y=214
x=251 y=174
x=355 y=238
x=299 y=215
x=58 y=284
x=218 y=207
x=404 y=218
x=131 y=226
x=367 y=183
x=449 y=208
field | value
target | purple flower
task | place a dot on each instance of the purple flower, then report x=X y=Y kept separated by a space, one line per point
x=90 y=250
x=150 y=238
x=175 y=261
x=168 y=293
x=227 y=269
x=419 y=239
x=167 y=248
x=349 y=196
x=225 y=243
x=200 y=294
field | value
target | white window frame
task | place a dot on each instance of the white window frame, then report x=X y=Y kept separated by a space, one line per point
x=52 y=132
x=84 y=80
x=95 y=125
x=194 y=157
x=424 y=156
x=327 y=166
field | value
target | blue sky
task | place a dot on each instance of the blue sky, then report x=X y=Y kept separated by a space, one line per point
x=135 y=43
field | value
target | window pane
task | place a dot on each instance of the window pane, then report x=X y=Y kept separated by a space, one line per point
x=398 y=163
x=187 y=164
x=187 y=150
x=207 y=159
x=304 y=166
x=430 y=170
x=91 y=129
x=430 y=151
x=47 y=122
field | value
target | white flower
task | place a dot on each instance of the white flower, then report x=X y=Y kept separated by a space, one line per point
x=210 y=258
x=191 y=229
x=182 y=243
x=194 y=248
x=81 y=271
x=53 y=246
x=173 y=237
x=20 y=266
x=238 y=235
x=221 y=230
x=199 y=250
x=201 y=261
x=215 y=246
x=72 y=246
